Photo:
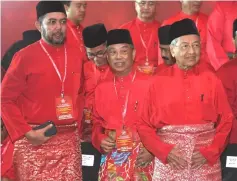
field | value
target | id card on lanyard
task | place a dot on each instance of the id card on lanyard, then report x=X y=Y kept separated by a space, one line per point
x=147 y=68
x=63 y=104
x=124 y=142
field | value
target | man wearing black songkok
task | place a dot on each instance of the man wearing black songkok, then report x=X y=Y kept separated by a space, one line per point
x=118 y=104
x=186 y=113
x=41 y=93
x=163 y=35
x=95 y=71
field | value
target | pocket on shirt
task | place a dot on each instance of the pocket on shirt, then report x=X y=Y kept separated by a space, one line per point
x=208 y=112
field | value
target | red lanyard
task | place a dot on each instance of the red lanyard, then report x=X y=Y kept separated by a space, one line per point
x=124 y=112
x=56 y=68
x=144 y=44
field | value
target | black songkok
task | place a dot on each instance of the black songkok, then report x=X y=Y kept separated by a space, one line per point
x=94 y=35
x=118 y=36
x=181 y=28
x=44 y=7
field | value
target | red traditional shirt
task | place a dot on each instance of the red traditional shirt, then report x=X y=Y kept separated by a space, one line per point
x=110 y=101
x=220 y=33
x=228 y=75
x=93 y=75
x=178 y=97
x=31 y=85
x=74 y=37
x=145 y=40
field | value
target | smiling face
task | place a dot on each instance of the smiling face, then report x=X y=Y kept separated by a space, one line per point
x=186 y=51
x=120 y=58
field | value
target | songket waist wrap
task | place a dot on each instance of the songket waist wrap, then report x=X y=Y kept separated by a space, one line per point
x=7 y=149
x=57 y=159
x=188 y=138
x=120 y=166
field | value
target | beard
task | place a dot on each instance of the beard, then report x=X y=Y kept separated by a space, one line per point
x=54 y=41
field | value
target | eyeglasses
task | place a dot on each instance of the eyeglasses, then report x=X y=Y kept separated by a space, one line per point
x=99 y=54
x=143 y=3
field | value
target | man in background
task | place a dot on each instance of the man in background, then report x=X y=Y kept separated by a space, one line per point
x=143 y=30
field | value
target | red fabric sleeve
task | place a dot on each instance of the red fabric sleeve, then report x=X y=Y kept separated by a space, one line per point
x=147 y=130
x=81 y=102
x=97 y=129
x=215 y=33
x=13 y=85
x=7 y=149
x=229 y=82
x=90 y=84
x=223 y=127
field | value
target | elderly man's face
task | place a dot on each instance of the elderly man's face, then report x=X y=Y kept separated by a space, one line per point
x=166 y=54
x=186 y=51
x=53 y=28
x=145 y=9
x=97 y=54
x=120 y=57
x=193 y=6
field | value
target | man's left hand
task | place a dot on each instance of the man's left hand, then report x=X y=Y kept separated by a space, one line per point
x=144 y=158
x=198 y=160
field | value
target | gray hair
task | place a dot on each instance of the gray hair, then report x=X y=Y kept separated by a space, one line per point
x=41 y=19
x=174 y=42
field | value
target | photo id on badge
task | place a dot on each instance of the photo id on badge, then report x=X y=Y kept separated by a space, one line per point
x=64 y=108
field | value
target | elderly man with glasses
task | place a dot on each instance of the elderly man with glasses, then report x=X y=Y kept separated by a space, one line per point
x=95 y=71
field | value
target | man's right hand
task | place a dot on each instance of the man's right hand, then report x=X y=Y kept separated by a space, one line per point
x=37 y=137
x=176 y=160
x=107 y=144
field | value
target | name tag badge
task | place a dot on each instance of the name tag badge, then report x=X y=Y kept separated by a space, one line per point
x=64 y=108
x=88 y=160
x=124 y=142
x=231 y=161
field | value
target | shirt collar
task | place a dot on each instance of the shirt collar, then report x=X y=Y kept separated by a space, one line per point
x=103 y=67
x=144 y=24
x=175 y=70
x=51 y=48
x=193 y=16
x=71 y=24
x=128 y=77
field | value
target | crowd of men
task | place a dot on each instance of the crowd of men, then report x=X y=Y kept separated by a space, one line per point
x=143 y=102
